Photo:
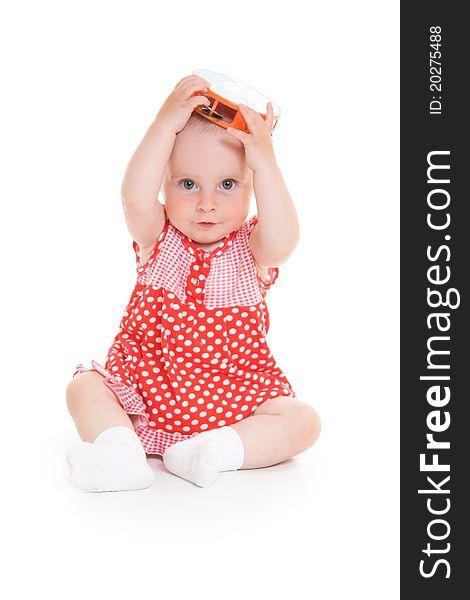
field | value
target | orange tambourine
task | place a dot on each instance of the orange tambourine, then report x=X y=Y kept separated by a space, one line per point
x=225 y=94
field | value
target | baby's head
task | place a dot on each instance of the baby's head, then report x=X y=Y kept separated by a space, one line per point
x=207 y=179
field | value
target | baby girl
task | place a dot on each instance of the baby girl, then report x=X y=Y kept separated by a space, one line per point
x=190 y=376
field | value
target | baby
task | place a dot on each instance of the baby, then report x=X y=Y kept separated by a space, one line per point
x=190 y=376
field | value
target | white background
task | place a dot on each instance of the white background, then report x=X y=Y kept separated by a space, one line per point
x=82 y=82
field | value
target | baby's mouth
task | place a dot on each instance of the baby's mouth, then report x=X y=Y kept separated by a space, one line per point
x=206 y=224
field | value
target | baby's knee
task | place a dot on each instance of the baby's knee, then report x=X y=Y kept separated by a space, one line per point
x=313 y=424
x=308 y=422
x=72 y=392
x=79 y=388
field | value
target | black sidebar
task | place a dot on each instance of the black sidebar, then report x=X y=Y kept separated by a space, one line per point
x=435 y=301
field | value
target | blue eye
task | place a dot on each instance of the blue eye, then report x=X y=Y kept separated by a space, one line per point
x=231 y=181
x=187 y=181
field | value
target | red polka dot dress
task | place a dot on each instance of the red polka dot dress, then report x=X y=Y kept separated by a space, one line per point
x=191 y=352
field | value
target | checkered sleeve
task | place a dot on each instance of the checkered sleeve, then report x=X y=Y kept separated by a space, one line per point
x=273 y=272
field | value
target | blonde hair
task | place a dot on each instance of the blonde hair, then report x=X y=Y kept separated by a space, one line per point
x=198 y=125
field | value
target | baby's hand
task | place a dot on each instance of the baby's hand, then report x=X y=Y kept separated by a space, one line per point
x=179 y=105
x=258 y=144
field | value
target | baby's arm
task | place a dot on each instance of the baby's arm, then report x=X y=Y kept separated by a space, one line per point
x=276 y=234
x=145 y=215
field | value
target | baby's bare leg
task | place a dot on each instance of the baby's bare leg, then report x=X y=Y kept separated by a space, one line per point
x=93 y=406
x=279 y=429
x=111 y=456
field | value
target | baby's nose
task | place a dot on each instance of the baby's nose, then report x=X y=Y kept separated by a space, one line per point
x=206 y=202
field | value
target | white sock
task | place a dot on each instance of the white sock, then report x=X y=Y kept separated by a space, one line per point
x=201 y=458
x=114 y=462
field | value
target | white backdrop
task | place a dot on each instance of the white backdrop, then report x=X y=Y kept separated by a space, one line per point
x=82 y=82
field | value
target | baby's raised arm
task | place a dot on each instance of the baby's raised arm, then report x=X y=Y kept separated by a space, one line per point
x=145 y=216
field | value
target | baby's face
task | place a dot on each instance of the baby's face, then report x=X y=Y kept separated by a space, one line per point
x=207 y=180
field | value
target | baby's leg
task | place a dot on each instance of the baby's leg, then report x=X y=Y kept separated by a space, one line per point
x=111 y=456
x=279 y=429
x=93 y=406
